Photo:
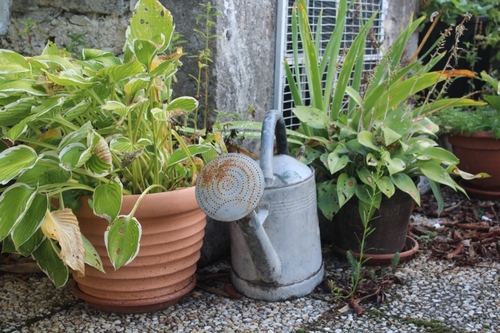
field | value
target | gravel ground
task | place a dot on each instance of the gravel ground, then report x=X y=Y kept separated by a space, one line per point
x=430 y=296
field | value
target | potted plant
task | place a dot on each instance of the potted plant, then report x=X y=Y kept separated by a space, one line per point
x=99 y=151
x=473 y=134
x=476 y=45
x=368 y=142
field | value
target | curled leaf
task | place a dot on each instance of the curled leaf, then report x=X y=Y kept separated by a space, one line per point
x=101 y=149
x=62 y=225
x=468 y=176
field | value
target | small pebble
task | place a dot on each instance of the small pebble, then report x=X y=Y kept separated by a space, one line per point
x=460 y=298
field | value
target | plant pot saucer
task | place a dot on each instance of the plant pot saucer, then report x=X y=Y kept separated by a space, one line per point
x=411 y=247
x=482 y=193
x=135 y=305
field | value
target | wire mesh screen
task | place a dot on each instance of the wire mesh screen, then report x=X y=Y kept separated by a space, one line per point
x=359 y=12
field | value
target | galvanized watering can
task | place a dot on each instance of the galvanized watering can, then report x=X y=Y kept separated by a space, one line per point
x=275 y=240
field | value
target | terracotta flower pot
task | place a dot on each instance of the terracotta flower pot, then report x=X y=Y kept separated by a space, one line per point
x=163 y=271
x=479 y=152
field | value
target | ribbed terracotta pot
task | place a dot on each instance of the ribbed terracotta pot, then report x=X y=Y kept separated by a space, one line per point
x=163 y=271
x=479 y=152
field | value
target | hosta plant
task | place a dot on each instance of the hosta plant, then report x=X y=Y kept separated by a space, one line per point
x=97 y=126
x=367 y=135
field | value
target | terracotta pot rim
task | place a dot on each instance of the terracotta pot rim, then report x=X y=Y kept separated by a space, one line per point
x=176 y=197
x=477 y=135
x=409 y=250
x=180 y=200
x=481 y=193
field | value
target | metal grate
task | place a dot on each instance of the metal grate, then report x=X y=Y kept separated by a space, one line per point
x=282 y=97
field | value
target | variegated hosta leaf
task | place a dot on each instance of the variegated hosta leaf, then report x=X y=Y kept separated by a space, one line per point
x=102 y=151
x=14 y=203
x=77 y=110
x=13 y=63
x=74 y=155
x=46 y=171
x=52 y=135
x=92 y=258
x=124 y=145
x=62 y=225
x=134 y=86
x=100 y=163
x=31 y=220
x=145 y=51
x=184 y=103
x=107 y=200
x=122 y=239
x=117 y=107
x=76 y=136
x=15 y=160
x=69 y=77
x=51 y=264
x=159 y=114
x=153 y=22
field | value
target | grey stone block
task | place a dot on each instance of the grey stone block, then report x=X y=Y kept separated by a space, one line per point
x=216 y=243
x=4 y=16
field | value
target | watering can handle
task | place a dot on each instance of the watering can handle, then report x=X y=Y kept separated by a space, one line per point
x=273 y=124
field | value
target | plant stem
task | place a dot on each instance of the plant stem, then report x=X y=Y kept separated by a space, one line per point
x=143 y=194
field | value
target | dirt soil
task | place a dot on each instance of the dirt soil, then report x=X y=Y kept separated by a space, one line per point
x=466 y=232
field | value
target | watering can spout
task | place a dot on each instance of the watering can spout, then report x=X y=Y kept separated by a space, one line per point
x=265 y=259
x=275 y=241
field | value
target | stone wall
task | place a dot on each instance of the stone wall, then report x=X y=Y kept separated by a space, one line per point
x=102 y=24
x=397 y=18
x=242 y=74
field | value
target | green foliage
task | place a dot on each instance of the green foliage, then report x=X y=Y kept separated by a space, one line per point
x=395 y=260
x=366 y=140
x=28 y=25
x=204 y=56
x=454 y=11
x=427 y=238
x=469 y=120
x=98 y=126
x=77 y=42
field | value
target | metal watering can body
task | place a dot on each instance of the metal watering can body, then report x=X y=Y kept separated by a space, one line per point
x=275 y=245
